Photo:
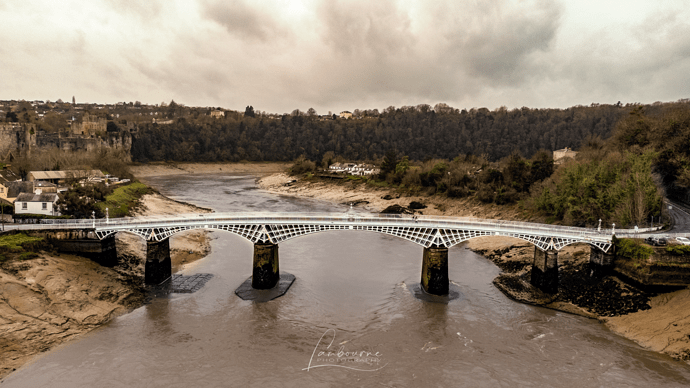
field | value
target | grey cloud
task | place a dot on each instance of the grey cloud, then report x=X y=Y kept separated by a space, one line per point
x=143 y=9
x=435 y=52
x=652 y=60
x=348 y=54
x=495 y=42
x=194 y=70
x=378 y=28
x=240 y=19
x=78 y=44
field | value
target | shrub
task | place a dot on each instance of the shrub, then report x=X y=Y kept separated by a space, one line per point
x=505 y=195
x=458 y=192
x=678 y=250
x=28 y=255
x=302 y=166
x=632 y=249
x=485 y=194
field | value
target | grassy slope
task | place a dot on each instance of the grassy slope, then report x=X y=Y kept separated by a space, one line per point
x=123 y=199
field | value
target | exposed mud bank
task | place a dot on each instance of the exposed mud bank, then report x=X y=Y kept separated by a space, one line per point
x=53 y=298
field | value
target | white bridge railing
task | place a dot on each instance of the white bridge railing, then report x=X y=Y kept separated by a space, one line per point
x=278 y=218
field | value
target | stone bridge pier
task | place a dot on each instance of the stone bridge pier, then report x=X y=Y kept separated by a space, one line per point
x=600 y=262
x=435 y=270
x=83 y=243
x=158 y=267
x=544 y=274
x=265 y=266
x=266 y=282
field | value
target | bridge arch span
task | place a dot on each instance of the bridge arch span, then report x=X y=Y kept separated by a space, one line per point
x=423 y=235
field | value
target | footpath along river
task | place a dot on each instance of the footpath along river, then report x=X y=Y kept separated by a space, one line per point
x=353 y=293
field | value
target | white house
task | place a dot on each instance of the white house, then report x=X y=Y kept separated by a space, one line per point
x=41 y=203
x=336 y=167
x=559 y=155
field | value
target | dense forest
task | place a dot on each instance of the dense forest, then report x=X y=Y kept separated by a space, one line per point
x=624 y=178
x=420 y=132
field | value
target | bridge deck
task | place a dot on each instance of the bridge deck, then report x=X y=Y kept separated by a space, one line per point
x=278 y=227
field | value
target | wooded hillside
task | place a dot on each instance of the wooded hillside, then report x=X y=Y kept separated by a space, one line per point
x=419 y=132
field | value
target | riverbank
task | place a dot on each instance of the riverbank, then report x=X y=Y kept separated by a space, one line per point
x=657 y=322
x=376 y=199
x=660 y=323
x=161 y=169
x=55 y=297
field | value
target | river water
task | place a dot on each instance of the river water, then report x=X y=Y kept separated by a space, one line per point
x=351 y=299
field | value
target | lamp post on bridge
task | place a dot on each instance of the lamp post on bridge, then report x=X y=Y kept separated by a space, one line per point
x=93 y=217
x=613 y=230
x=599 y=227
x=107 y=218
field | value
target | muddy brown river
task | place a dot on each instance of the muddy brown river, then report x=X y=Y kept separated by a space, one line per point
x=349 y=320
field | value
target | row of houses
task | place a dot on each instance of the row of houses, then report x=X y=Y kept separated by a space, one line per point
x=39 y=193
x=353 y=169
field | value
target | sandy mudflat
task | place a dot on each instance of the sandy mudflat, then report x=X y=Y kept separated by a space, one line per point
x=664 y=328
x=54 y=298
x=57 y=297
x=159 y=169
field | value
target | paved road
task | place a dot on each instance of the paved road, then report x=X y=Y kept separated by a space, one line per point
x=681 y=218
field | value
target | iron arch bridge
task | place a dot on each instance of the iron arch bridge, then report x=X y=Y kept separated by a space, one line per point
x=275 y=228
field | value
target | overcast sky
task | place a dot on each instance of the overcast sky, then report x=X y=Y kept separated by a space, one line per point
x=281 y=55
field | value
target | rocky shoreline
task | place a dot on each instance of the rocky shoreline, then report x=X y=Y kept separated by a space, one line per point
x=594 y=297
x=659 y=322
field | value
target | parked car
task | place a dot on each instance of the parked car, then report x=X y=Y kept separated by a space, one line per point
x=683 y=240
x=656 y=241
